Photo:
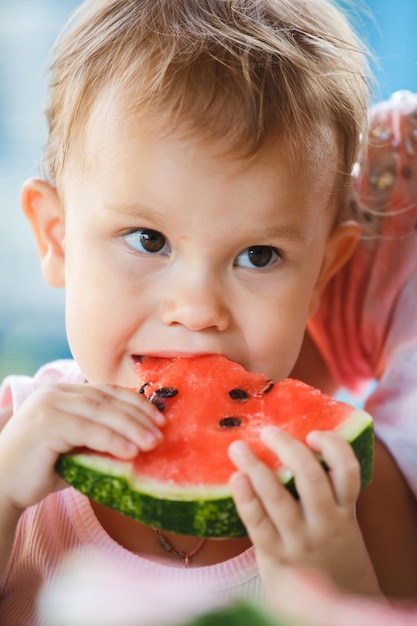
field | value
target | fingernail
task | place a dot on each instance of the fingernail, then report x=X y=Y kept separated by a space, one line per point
x=239 y=447
x=132 y=448
x=157 y=433
x=271 y=431
x=159 y=419
x=152 y=437
x=313 y=436
x=239 y=481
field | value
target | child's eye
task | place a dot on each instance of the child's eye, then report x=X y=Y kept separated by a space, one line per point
x=147 y=241
x=258 y=256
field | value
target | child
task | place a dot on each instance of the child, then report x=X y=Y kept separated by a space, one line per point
x=197 y=160
x=392 y=135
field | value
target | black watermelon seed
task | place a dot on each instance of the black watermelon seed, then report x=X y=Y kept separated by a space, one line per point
x=230 y=422
x=166 y=392
x=238 y=394
x=158 y=402
x=142 y=389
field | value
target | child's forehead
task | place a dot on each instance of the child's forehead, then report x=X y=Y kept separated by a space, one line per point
x=114 y=118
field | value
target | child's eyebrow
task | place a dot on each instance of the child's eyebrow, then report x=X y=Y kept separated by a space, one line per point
x=291 y=232
x=135 y=210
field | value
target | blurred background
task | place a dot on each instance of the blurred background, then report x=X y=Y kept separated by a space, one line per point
x=31 y=313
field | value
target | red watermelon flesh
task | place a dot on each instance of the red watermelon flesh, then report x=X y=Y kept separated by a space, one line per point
x=203 y=419
x=209 y=401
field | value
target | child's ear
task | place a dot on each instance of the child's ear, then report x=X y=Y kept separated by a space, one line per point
x=42 y=207
x=340 y=246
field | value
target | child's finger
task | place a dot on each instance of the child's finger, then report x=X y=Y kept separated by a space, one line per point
x=106 y=406
x=344 y=468
x=312 y=483
x=261 y=531
x=136 y=404
x=137 y=401
x=77 y=431
x=278 y=504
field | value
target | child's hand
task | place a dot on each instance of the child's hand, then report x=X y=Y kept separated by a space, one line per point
x=59 y=417
x=318 y=531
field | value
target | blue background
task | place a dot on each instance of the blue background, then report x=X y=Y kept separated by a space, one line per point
x=31 y=313
x=389 y=28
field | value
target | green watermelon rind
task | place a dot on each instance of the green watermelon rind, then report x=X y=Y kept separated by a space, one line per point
x=241 y=613
x=362 y=442
x=198 y=510
x=191 y=513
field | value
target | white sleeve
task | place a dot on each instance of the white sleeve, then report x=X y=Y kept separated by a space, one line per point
x=393 y=406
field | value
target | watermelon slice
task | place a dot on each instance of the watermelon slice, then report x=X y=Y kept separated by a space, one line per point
x=209 y=401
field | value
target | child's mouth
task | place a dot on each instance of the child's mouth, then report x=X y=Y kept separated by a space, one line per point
x=136 y=358
x=139 y=358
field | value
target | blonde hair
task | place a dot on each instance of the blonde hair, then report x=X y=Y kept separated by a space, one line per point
x=243 y=69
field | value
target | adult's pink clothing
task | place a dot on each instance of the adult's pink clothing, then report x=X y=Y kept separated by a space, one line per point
x=366 y=327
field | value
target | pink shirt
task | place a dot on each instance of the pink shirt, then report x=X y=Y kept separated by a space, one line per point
x=366 y=327
x=65 y=521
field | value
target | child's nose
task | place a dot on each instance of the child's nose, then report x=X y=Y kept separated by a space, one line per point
x=197 y=301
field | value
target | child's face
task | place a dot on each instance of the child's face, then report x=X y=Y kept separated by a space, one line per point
x=172 y=246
